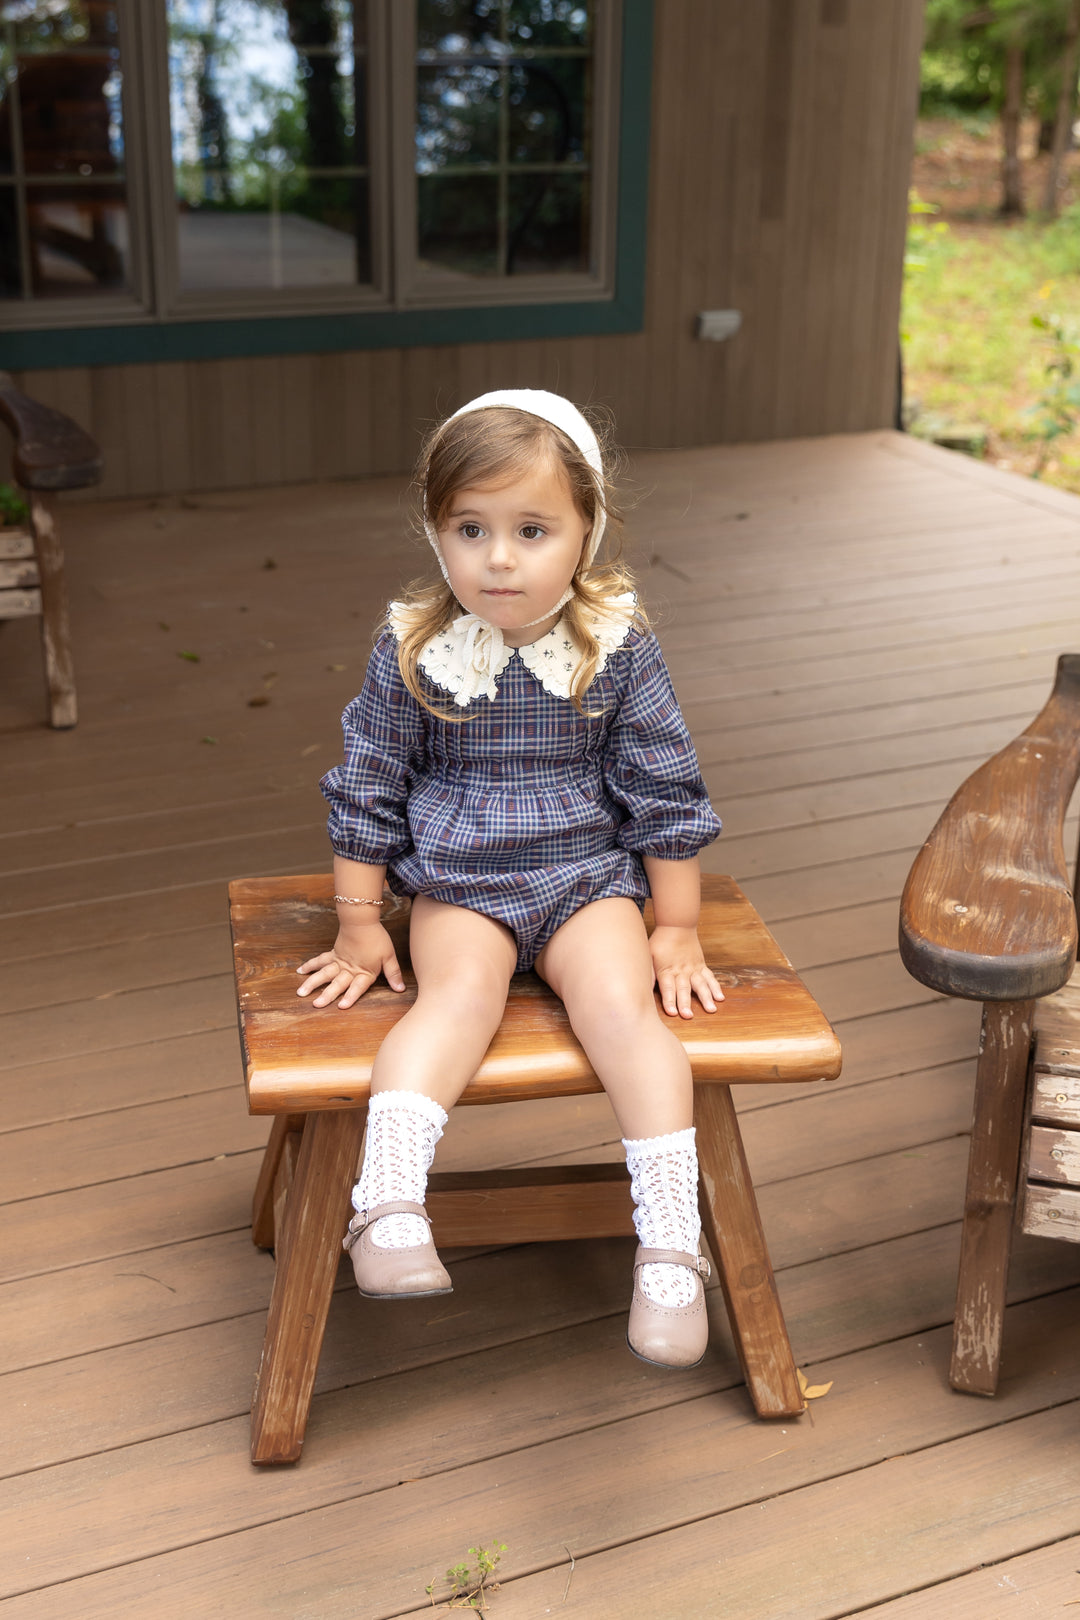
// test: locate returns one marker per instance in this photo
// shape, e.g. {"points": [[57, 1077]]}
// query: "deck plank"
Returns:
{"points": [[577, 1490], [964, 1500], [1046, 1581]]}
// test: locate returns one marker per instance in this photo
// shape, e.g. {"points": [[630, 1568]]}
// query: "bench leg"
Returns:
{"points": [[733, 1228], [55, 634], [990, 1201], [280, 1153], [308, 1252]]}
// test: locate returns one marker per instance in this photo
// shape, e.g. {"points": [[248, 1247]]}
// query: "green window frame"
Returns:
{"points": [[619, 308]]}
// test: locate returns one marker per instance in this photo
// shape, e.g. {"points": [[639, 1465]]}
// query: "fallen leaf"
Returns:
{"points": [[812, 1392], [208, 739], [270, 677], [269, 563], [259, 702], [337, 668], [163, 626], [312, 748], [192, 658]]}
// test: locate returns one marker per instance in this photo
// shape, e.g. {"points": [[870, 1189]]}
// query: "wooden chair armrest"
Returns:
{"points": [[987, 910], [51, 452]]}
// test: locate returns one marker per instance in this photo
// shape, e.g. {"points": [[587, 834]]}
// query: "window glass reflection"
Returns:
{"points": [[63, 206], [504, 93], [269, 135]]}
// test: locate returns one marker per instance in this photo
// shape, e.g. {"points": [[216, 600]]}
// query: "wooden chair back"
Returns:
{"points": [[989, 912]]}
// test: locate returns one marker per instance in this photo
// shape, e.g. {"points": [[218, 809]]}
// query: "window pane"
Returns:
{"points": [[506, 86], [549, 225], [458, 223], [270, 143], [536, 23], [78, 238], [457, 116], [548, 99], [62, 231], [452, 26]]}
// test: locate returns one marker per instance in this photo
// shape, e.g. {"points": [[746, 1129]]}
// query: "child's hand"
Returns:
{"points": [[359, 955], [682, 972]]}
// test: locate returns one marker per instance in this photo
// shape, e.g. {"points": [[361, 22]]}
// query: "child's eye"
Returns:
{"points": [[471, 531], [531, 531]]}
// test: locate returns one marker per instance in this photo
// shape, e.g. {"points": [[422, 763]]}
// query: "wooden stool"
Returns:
{"points": [[311, 1071], [51, 454]]}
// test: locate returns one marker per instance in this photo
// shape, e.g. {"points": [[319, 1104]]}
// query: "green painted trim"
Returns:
{"points": [[149, 341]]}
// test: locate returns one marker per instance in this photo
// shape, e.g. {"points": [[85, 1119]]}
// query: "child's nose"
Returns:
{"points": [[500, 552]]}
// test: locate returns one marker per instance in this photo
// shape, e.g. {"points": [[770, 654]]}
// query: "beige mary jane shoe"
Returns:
{"points": [[669, 1335], [394, 1273]]}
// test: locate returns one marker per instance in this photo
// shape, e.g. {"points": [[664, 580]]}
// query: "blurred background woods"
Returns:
{"points": [[991, 326]]}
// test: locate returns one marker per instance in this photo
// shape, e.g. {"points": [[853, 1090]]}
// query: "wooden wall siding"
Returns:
{"points": [[781, 146]]}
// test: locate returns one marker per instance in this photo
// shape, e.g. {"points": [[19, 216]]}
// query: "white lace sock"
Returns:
{"points": [[402, 1130], [664, 1185]]}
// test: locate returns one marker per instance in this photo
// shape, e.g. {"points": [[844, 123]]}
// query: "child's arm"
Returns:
{"points": [[678, 960], [363, 948]]}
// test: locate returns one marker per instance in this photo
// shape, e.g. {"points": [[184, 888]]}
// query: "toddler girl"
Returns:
{"points": [[517, 763]]}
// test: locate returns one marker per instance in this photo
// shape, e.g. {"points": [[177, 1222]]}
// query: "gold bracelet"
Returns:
{"points": [[346, 900]]}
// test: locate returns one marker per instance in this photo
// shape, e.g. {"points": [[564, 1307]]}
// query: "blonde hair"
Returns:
{"points": [[497, 445]]}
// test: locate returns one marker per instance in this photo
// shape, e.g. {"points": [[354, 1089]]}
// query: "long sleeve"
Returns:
{"points": [[384, 745], [651, 768]]}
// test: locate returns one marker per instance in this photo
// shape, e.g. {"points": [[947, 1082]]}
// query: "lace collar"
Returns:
{"points": [[468, 656]]}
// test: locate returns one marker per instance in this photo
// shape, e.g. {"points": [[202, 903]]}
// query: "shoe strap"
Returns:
{"points": [[673, 1257], [368, 1217]]}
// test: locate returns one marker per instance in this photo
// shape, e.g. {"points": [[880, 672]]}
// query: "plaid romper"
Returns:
{"points": [[526, 810]]}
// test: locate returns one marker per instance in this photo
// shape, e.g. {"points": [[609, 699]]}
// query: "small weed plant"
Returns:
{"points": [[469, 1585], [13, 509]]}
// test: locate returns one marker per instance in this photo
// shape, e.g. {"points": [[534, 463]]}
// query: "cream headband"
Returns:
{"points": [[561, 414]]}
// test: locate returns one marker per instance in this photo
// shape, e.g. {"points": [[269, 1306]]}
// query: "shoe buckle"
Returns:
{"points": [[703, 1268], [356, 1226]]}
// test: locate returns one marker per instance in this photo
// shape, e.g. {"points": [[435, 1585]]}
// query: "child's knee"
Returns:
{"points": [[615, 1010], [472, 994]]}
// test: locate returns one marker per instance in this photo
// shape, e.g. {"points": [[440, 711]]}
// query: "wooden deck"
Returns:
{"points": [[852, 623]]}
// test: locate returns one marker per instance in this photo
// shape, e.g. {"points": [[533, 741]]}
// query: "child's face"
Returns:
{"points": [[512, 551]]}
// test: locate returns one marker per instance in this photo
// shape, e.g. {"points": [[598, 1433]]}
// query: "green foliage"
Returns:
{"points": [[469, 1585], [1056, 413], [13, 509], [963, 64], [972, 352]]}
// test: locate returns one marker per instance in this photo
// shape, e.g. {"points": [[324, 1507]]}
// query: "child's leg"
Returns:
{"points": [[463, 962], [599, 965]]}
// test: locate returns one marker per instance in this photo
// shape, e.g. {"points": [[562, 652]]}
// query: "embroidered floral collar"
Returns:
{"points": [[468, 656]]}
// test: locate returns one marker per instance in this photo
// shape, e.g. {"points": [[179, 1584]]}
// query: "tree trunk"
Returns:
{"points": [[1012, 200], [1064, 115]]}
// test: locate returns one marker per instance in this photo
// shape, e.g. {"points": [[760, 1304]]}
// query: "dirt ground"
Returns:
{"points": [[958, 166]]}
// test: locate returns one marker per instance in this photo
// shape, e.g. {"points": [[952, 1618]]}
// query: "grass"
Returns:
{"points": [[972, 355]]}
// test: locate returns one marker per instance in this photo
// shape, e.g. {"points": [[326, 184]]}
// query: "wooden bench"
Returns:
{"points": [[988, 914], [311, 1069], [50, 454]]}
